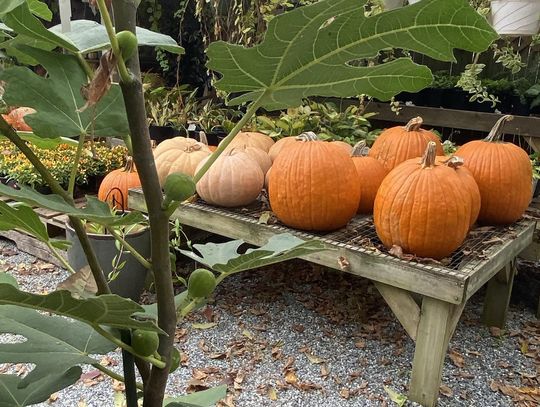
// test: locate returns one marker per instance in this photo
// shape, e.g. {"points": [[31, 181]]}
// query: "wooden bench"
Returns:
{"points": [[427, 299]]}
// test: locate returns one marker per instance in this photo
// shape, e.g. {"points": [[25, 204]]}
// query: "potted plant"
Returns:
{"points": [[515, 17], [122, 253]]}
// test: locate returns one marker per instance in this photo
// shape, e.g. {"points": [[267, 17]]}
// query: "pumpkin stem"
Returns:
{"points": [[307, 136], [414, 124], [202, 138], [455, 162], [360, 149], [428, 160], [130, 165], [194, 147], [496, 131]]}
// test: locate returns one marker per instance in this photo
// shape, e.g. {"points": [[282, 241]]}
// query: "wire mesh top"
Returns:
{"points": [[360, 235]]}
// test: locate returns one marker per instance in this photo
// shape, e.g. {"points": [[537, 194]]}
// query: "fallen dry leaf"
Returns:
{"points": [[272, 394], [446, 391], [290, 377], [345, 393], [456, 358], [101, 82]]}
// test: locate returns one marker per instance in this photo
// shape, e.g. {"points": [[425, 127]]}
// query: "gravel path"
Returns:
{"points": [[298, 335]]}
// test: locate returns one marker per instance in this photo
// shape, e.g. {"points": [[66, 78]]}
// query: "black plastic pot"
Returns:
{"points": [[518, 108], [162, 133], [131, 279]]}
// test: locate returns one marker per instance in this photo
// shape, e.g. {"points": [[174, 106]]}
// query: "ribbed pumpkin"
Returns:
{"points": [[423, 207], [280, 145], [503, 173], [457, 163], [400, 143], [179, 154], [313, 185], [252, 139], [346, 146], [234, 179], [15, 118], [262, 158], [370, 172], [114, 187]]}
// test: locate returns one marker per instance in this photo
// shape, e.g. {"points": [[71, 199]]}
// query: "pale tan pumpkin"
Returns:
{"points": [[252, 139], [179, 154], [234, 179], [262, 158]]}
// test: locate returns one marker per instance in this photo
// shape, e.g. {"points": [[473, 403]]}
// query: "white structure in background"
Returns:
{"points": [[65, 15]]}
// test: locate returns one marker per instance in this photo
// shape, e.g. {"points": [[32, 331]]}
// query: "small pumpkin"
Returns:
{"points": [[15, 118], [234, 179], [179, 154], [400, 143], [313, 185], [371, 174], [457, 163], [252, 139], [116, 184], [423, 207], [262, 158], [280, 145], [503, 173]]}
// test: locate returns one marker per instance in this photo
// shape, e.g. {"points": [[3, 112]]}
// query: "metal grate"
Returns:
{"points": [[360, 235]]}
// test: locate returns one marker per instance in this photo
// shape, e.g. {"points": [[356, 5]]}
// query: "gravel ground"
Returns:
{"points": [[298, 335]]}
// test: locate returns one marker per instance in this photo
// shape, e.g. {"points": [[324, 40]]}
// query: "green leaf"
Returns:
{"points": [[179, 301], [45, 143], [58, 97], [23, 218], [13, 395], [206, 398], [69, 341], [306, 52], [396, 397], [107, 310], [8, 279], [22, 21], [224, 257], [95, 210], [90, 36], [40, 9], [9, 5], [11, 48]]}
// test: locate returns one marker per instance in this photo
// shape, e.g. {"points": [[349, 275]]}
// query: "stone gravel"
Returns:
{"points": [[299, 335]]}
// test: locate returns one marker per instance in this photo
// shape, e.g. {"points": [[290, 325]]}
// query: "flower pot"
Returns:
{"points": [[515, 17], [131, 279], [393, 4]]}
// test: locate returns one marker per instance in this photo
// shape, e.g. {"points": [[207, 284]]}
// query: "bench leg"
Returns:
{"points": [[437, 323], [498, 297]]}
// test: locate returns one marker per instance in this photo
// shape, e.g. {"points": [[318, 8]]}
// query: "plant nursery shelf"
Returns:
{"points": [[427, 298]]}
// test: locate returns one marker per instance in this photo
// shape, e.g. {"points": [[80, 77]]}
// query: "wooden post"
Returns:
{"points": [[498, 297], [431, 344]]}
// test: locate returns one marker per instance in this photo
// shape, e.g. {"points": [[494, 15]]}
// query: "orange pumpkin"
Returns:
{"points": [[114, 187], [466, 176], [252, 139], [503, 173], [370, 172], [348, 148], [423, 207], [16, 118], [280, 145], [400, 143], [233, 180], [179, 154], [313, 185]]}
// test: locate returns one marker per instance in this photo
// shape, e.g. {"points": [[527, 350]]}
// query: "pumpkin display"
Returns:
{"points": [[348, 148], [313, 185], [262, 158], [370, 172], [15, 118], [456, 163], [179, 154], [423, 207], [114, 187], [503, 173], [280, 145], [400, 143], [252, 139], [234, 179]]}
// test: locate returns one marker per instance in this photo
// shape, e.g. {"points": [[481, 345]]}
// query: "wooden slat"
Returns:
{"points": [[457, 119], [498, 297], [497, 259], [31, 245], [380, 268], [404, 307], [45, 213]]}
